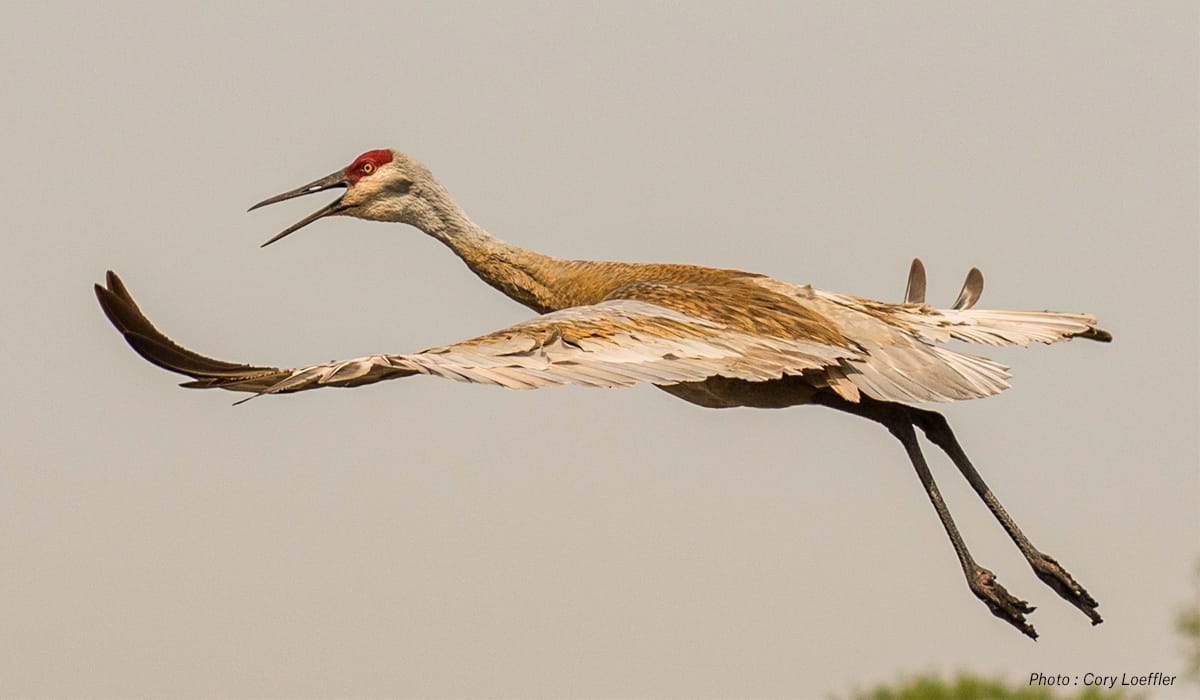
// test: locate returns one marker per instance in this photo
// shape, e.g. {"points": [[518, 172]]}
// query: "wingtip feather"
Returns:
{"points": [[1097, 334], [914, 292]]}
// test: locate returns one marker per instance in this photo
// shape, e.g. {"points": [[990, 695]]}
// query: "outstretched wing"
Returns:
{"points": [[754, 329], [618, 342], [900, 360]]}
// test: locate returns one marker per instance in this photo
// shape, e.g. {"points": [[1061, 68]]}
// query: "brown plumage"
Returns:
{"points": [[717, 338]]}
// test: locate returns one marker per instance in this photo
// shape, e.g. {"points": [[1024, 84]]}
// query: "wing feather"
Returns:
{"points": [[983, 326], [756, 329], [615, 343], [900, 361]]}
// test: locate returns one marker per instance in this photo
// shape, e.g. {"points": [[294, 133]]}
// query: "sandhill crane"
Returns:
{"points": [[715, 337]]}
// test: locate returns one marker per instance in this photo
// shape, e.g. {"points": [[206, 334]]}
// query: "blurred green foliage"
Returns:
{"points": [[967, 686], [1188, 625]]}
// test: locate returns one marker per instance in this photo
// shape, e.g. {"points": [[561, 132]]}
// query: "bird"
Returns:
{"points": [[718, 338]]}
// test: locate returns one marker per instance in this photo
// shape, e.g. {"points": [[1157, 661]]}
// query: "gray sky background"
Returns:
{"points": [[430, 538]]}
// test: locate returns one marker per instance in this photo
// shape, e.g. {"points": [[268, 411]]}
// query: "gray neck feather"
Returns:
{"points": [[525, 276]]}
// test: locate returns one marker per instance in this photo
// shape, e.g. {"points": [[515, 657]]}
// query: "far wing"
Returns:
{"points": [[618, 342], [914, 292], [985, 326]]}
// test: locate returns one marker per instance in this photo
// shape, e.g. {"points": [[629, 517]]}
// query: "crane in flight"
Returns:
{"points": [[714, 337]]}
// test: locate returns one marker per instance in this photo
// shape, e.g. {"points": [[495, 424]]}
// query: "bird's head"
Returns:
{"points": [[381, 185]]}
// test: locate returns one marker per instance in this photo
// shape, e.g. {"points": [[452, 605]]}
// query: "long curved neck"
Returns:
{"points": [[541, 282]]}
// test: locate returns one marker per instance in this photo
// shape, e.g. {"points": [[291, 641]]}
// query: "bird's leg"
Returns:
{"points": [[938, 431], [982, 582]]}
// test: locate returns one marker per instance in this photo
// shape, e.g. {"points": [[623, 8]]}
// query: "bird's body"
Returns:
{"points": [[714, 337]]}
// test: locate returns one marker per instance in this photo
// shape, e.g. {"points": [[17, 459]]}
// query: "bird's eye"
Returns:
{"points": [[367, 168]]}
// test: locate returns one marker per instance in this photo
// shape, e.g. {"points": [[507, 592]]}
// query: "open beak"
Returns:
{"points": [[328, 182]]}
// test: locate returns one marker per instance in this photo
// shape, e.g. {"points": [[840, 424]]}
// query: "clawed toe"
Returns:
{"points": [[1053, 575], [1003, 604]]}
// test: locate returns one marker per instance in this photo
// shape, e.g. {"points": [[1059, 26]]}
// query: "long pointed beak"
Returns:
{"points": [[328, 182]]}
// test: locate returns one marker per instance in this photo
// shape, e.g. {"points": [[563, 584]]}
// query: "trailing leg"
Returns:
{"points": [[938, 431], [981, 581]]}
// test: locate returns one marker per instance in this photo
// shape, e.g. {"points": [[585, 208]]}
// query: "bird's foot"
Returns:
{"points": [[1056, 577], [1003, 604]]}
